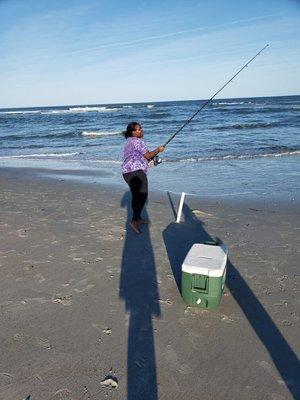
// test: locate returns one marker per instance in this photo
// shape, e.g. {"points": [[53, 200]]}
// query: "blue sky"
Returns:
{"points": [[86, 52]]}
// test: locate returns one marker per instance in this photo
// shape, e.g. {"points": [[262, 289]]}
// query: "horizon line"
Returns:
{"points": [[143, 102]]}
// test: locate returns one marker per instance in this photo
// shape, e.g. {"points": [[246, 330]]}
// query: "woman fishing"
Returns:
{"points": [[134, 168]]}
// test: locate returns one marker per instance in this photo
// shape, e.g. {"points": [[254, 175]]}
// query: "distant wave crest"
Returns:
{"points": [[100, 133], [231, 103], [75, 110], [92, 109], [70, 110], [21, 112]]}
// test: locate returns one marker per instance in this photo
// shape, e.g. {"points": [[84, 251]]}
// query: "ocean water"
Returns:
{"points": [[247, 148]]}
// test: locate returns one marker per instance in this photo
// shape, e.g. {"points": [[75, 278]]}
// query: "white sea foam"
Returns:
{"points": [[231, 103], [239, 157], [85, 109], [150, 106], [100, 133], [92, 109], [50, 112], [41, 155], [20, 112], [75, 110], [111, 109]]}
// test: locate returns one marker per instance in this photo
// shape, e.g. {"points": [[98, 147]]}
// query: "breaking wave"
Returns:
{"points": [[60, 135], [75, 110], [100, 133], [237, 157]]}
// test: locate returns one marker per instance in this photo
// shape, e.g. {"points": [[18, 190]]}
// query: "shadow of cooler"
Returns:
{"points": [[203, 275]]}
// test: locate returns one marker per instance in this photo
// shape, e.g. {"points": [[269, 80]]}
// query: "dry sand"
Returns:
{"points": [[90, 310]]}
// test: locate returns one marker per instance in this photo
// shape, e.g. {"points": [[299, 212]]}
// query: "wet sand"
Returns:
{"points": [[90, 310]]}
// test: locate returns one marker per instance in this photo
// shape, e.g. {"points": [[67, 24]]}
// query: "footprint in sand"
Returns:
{"points": [[202, 214], [79, 259], [85, 289], [286, 322], [227, 319], [29, 300], [172, 358], [81, 286], [5, 378], [62, 394], [64, 300], [167, 302], [193, 311], [171, 355], [40, 278], [276, 396], [34, 341], [268, 367], [22, 233]]}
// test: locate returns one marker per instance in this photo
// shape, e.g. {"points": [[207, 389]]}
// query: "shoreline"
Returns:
{"points": [[98, 177], [83, 298], [239, 149]]}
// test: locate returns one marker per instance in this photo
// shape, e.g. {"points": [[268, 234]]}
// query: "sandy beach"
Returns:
{"points": [[89, 310]]}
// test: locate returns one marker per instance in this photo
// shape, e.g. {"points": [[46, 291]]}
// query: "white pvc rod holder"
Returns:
{"points": [[180, 207]]}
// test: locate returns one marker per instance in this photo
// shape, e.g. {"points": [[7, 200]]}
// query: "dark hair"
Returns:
{"points": [[130, 128]]}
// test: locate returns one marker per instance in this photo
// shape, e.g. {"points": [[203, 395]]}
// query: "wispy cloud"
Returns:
{"points": [[154, 38]]}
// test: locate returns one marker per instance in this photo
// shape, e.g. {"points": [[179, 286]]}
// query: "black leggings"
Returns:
{"points": [[138, 184]]}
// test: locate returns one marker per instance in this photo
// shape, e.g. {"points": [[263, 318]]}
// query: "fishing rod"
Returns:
{"points": [[157, 160]]}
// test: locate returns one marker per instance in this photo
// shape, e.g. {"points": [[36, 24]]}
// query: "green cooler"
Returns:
{"points": [[203, 275]]}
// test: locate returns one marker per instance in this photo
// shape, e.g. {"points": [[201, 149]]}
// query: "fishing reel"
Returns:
{"points": [[156, 160]]}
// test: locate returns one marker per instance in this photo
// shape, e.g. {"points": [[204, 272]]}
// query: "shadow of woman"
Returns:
{"points": [[138, 288], [178, 239]]}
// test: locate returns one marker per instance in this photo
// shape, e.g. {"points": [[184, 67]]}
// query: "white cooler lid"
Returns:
{"points": [[203, 259]]}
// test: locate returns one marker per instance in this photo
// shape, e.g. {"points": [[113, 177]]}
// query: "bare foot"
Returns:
{"points": [[135, 226]]}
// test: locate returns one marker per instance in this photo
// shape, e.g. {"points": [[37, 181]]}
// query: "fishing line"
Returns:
{"points": [[157, 160]]}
